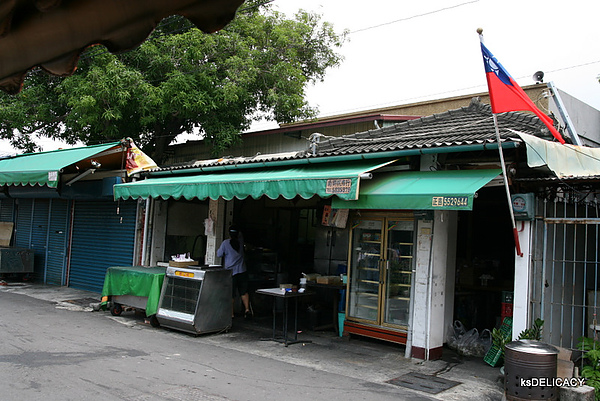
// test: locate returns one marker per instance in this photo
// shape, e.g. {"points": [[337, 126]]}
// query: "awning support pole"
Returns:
{"points": [[510, 209]]}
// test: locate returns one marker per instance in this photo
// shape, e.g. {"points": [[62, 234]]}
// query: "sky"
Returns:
{"points": [[405, 52]]}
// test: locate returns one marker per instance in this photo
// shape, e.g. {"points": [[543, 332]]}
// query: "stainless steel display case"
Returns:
{"points": [[196, 300]]}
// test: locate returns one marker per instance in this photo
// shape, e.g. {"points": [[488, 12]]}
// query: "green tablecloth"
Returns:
{"points": [[134, 280]]}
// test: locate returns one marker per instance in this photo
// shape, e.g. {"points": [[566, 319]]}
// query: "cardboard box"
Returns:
{"points": [[173, 263], [312, 276], [334, 280], [6, 231]]}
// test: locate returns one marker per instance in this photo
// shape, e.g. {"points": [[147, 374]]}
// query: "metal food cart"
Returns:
{"points": [[196, 300]]}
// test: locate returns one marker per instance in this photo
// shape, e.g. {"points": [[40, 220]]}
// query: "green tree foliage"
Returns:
{"points": [[180, 80]]}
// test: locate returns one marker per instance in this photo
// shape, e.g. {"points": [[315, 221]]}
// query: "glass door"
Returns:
{"points": [[381, 265], [399, 265], [365, 277]]}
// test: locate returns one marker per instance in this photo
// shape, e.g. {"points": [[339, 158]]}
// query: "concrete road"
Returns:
{"points": [[53, 353]]}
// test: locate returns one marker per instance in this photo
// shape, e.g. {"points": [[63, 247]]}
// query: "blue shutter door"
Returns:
{"points": [[23, 223], [31, 231], [101, 238], [58, 234], [7, 210], [39, 236]]}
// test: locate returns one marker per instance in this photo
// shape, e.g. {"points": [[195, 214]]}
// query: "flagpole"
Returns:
{"points": [[508, 197], [503, 164]]}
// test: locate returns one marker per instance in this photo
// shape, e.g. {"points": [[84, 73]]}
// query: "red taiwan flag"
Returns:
{"points": [[507, 95]]}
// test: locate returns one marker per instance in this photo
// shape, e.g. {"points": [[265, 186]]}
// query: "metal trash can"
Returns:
{"points": [[530, 371]]}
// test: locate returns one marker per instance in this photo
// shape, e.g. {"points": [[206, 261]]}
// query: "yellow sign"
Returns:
{"points": [[183, 274], [137, 160]]}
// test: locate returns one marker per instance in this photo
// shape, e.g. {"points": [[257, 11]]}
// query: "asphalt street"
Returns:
{"points": [[58, 351]]}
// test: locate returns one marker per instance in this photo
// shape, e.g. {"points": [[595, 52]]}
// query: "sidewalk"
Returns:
{"points": [[451, 378]]}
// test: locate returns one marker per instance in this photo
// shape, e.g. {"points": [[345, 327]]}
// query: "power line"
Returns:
{"points": [[481, 87], [413, 16]]}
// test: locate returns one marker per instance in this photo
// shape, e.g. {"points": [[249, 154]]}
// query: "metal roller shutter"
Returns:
{"points": [[39, 236], [23, 223], [7, 210], [31, 231], [56, 257], [101, 238]]}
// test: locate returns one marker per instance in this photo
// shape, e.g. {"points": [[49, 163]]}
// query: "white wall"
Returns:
{"points": [[522, 280], [435, 255]]}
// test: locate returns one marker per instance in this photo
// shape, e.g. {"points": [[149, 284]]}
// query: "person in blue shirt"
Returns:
{"points": [[232, 252]]}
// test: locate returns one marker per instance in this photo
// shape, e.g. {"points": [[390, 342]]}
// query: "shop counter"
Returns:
{"points": [[135, 286]]}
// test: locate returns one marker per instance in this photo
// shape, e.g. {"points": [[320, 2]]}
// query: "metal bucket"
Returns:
{"points": [[530, 371]]}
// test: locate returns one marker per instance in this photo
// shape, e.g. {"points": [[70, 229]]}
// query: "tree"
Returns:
{"points": [[180, 80]]}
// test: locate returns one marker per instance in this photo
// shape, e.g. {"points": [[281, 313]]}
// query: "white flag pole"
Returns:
{"points": [[507, 189]]}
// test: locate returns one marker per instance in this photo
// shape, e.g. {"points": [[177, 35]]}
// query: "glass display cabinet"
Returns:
{"points": [[381, 270]]}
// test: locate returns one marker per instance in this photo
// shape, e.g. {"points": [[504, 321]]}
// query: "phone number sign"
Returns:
{"points": [[450, 201], [338, 186]]}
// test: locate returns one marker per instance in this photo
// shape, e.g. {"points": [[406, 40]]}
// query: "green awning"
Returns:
{"points": [[420, 190], [324, 180], [44, 168]]}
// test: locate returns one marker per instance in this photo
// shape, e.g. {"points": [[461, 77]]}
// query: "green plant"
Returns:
{"points": [[500, 339], [591, 370], [534, 332]]}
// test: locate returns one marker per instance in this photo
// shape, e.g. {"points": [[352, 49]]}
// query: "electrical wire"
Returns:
{"points": [[414, 16]]}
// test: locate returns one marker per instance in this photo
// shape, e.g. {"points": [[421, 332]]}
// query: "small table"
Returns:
{"points": [[278, 293], [136, 286]]}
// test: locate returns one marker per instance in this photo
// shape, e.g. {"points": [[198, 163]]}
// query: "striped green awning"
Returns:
{"points": [[324, 180], [420, 190], [44, 168]]}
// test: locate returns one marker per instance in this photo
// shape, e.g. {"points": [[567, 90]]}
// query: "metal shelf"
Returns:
{"points": [[368, 294]]}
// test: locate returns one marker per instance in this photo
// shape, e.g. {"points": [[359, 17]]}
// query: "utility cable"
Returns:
{"points": [[413, 17]]}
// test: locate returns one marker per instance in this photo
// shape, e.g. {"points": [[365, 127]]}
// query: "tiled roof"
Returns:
{"points": [[469, 125], [232, 161]]}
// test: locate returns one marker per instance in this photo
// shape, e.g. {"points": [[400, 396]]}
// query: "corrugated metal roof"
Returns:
{"points": [[590, 179], [232, 161]]}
